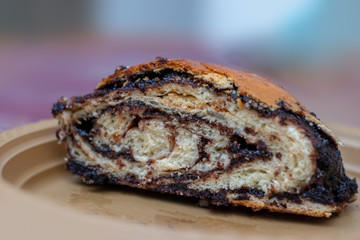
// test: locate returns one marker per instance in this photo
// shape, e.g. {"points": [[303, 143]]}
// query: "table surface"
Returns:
{"points": [[33, 75]]}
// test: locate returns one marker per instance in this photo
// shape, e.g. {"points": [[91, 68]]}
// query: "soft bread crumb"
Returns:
{"points": [[172, 147]]}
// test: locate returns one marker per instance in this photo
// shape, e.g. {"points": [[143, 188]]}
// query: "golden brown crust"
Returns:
{"points": [[248, 84], [251, 84], [305, 208]]}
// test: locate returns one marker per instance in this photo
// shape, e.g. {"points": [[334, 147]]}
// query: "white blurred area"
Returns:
{"points": [[273, 34], [269, 34], [216, 22]]}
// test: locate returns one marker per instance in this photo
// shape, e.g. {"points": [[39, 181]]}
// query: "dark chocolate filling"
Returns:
{"points": [[58, 107], [329, 184], [243, 152], [203, 155], [94, 175], [84, 126]]}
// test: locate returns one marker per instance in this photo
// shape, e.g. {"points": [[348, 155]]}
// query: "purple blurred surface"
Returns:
{"points": [[33, 75]]}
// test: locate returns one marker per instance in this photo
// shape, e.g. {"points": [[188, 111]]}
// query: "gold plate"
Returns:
{"points": [[39, 199]]}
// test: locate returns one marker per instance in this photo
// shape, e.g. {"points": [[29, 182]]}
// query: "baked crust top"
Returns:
{"points": [[247, 84]]}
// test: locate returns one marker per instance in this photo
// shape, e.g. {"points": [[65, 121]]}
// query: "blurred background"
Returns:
{"points": [[53, 48]]}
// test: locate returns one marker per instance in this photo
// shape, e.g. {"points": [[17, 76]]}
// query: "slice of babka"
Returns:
{"points": [[202, 130]]}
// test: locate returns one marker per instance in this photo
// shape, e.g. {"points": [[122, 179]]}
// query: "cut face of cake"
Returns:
{"points": [[206, 131]]}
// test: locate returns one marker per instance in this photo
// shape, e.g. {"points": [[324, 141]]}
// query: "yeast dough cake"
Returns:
{"points": [[206, 131]]}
